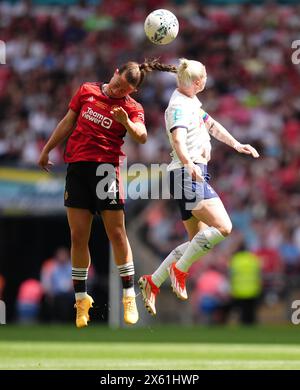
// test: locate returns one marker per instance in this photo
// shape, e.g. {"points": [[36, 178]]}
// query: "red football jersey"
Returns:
{"points": [[97, 136]]}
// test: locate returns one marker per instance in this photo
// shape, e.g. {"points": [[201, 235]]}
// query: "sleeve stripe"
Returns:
{"points": [[177, 127], [205, 117]]}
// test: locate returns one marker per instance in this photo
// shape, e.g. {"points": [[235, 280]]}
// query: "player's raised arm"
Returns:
{"points": [[220, 133], [61, 132]]}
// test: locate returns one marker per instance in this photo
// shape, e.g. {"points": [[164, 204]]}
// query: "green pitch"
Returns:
{"points": [[168, 347]]}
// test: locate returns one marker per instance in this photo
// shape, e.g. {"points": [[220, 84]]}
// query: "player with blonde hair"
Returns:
{"points": [[204, 216]]}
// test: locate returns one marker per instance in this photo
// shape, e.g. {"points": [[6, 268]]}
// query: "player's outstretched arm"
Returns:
{"points": [[61, 132], [220, 133]]}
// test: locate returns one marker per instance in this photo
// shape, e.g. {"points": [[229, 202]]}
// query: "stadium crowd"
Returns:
{"points": [[253, 90]]}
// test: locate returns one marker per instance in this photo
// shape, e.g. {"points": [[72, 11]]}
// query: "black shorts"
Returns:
{"points": [[187, 192], [93, 186]]}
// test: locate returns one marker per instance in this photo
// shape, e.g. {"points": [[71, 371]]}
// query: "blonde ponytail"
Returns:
{"points": [[188, 71]]}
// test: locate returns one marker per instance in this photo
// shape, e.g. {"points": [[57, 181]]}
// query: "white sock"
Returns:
{"points": [[201, 243], [79, 277], [80, 295], [161, 274], [128, 292]]}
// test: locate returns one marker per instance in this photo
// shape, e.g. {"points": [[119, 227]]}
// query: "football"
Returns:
{"points": [[161, 26]]}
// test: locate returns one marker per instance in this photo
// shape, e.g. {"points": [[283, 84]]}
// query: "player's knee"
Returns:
{"points": [[78, 237], [116, 234], [225, 229]]}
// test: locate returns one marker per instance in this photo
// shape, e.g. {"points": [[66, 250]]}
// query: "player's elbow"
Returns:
{"points": [[143, 138]]}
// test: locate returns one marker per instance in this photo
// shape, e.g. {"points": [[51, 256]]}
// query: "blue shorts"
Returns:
{"points": [[188, 192]]}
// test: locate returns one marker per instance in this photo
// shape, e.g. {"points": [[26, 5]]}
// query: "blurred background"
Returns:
{"points": [[252, 89]]}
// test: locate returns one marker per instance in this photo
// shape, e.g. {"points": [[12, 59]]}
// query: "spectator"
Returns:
{"points": [[47, 304], [211, 296], [28, 301], [58, 287], [245, 283]]}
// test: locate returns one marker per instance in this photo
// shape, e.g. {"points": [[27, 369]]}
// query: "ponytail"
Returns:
{"points": [[149, 66], [135, 73]]}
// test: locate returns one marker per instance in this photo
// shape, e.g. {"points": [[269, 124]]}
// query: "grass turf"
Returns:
{"points": [[164, 347]]}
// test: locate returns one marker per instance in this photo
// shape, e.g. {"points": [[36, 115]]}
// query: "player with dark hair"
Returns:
{"points": [[99, 116]]}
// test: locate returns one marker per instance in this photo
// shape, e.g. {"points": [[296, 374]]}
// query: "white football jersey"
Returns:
{"points": [[185, 112]]}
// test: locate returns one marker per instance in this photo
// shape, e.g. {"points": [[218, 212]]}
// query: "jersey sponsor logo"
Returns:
{"points": [[106, 122], [91, 99], [207, 247], [97, 118], [178, 114]]}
